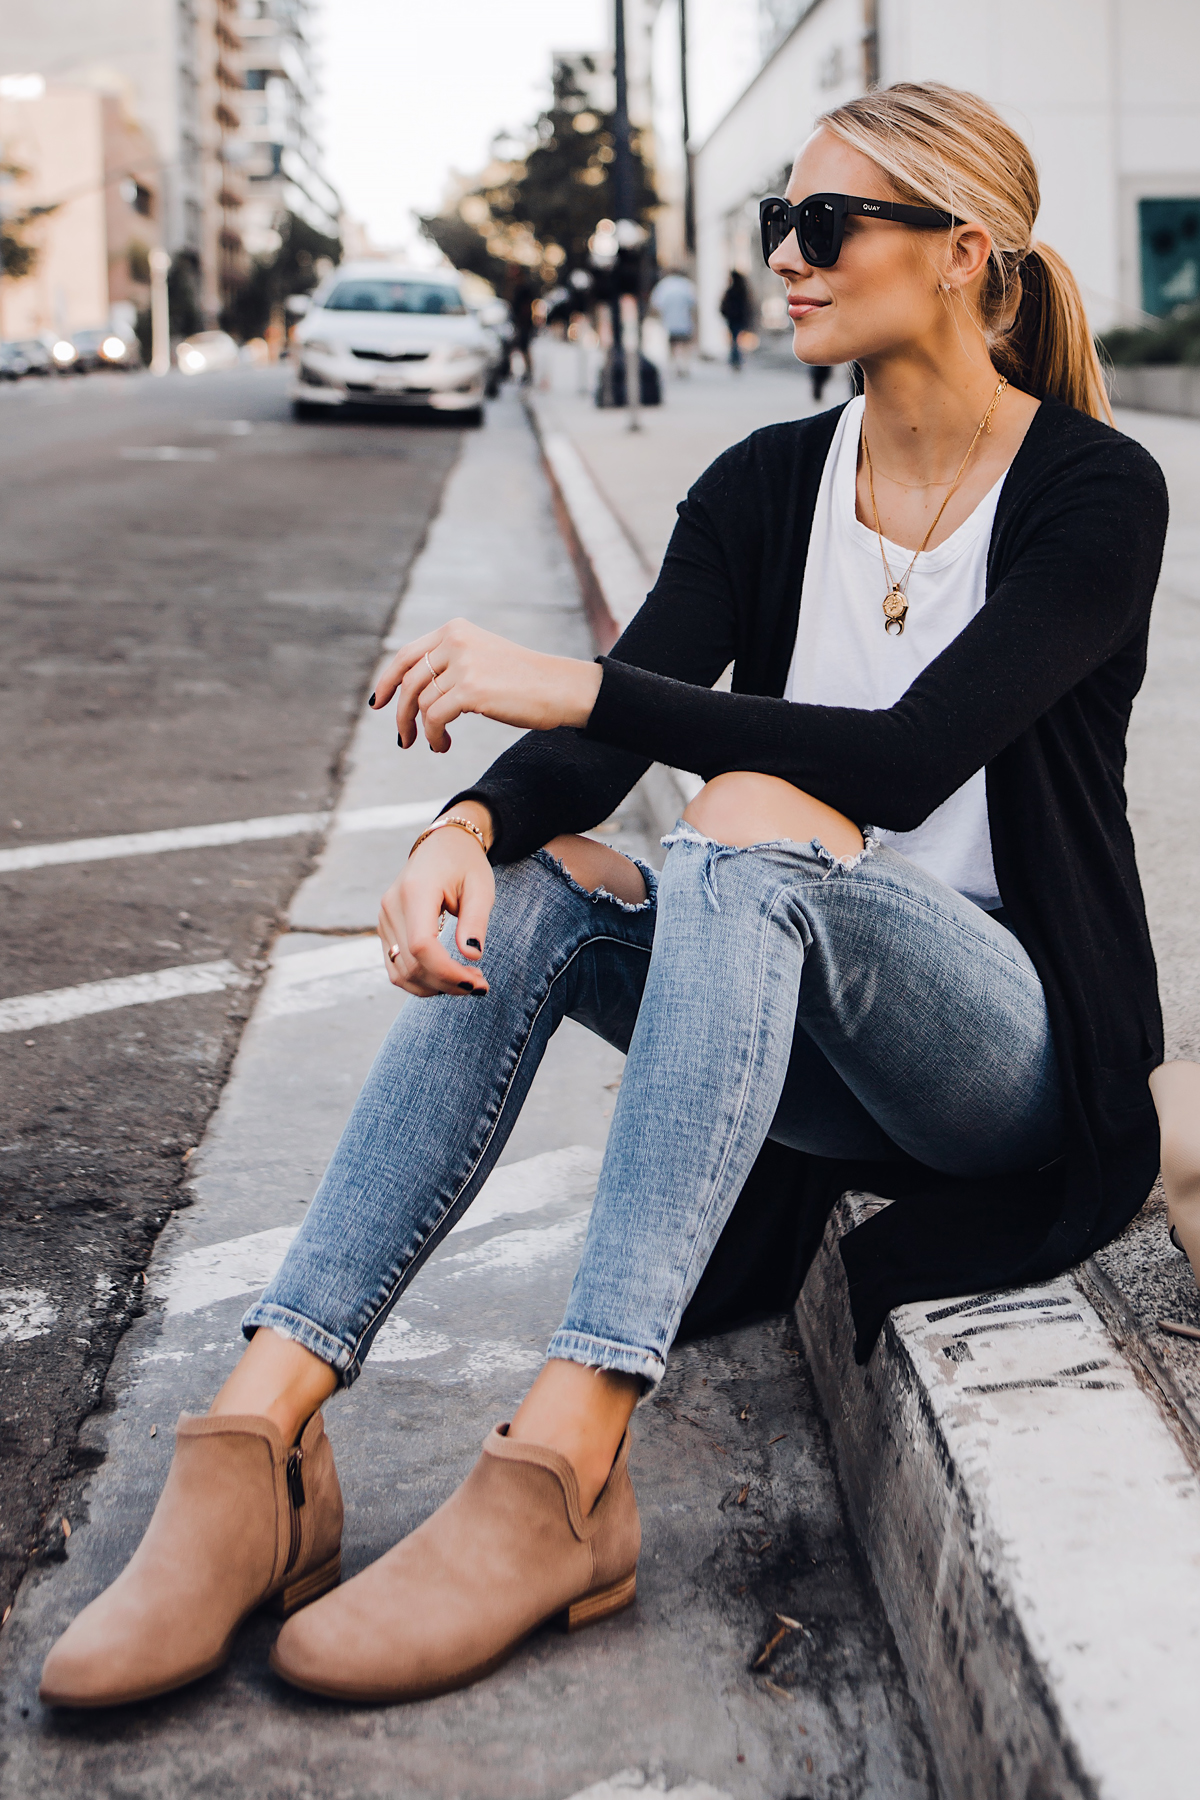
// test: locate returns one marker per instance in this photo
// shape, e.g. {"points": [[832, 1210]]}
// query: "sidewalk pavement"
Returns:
{"points": [[644, 475], [1022, 1468], [740, 1507]]}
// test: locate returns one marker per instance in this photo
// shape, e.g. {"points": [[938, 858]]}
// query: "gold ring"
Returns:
{"points": [[393, 953], [433, 675]]}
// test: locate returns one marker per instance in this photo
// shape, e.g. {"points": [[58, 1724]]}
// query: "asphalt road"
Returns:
{"points": [[184, 639]]}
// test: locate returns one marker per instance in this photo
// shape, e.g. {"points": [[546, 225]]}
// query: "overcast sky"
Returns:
{"points": [[414, 88]]}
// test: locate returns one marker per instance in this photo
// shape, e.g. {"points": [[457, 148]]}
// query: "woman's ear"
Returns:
{"points": [[966, 260]]}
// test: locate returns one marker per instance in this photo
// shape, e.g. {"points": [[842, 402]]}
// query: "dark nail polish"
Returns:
{"points": [[468, 987], [371, 701], [400, 740], [474, 944]]}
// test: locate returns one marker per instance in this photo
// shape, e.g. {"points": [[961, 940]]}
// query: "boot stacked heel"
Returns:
{"points": [[594, 1607], [304, 1591]]}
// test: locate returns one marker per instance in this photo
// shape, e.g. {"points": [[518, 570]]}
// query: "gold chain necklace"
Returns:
{"points": [[895, 601]]}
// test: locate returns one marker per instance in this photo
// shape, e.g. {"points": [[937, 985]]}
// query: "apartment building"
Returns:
{"points": [[281, 154], [223, 91], [83, 158]]}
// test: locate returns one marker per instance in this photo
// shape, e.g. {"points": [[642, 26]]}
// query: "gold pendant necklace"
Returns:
{"points": [[895, 601]]}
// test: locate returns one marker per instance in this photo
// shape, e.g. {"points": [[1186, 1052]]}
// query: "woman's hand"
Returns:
{"points": [[449, 873], [462, 669]]}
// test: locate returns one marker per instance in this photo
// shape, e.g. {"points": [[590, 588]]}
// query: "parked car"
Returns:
{"points": [[497, 330], [101, 348], [37, 355], [206, 351], [24, 356], [382, 334]]}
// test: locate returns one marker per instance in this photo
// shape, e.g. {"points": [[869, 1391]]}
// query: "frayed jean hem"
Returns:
{"points": [[603, 1353], [299, 1330], [812, 848]]}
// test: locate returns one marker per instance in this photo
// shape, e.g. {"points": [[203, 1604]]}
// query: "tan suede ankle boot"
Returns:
{"points": [[509, 1551], [242, 1520]]}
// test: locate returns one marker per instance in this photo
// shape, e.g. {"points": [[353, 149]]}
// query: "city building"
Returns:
{"points": [[79, 155], [226, 164], [1104, 91], [215, 131], [281, 157]]}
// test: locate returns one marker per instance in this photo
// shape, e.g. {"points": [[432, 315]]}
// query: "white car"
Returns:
{"points": [[380, 334], [207, 350]]}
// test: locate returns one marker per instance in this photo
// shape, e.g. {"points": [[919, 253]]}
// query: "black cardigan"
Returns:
{"points": [[1038, 689]]}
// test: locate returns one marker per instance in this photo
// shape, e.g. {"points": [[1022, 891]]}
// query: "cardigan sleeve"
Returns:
{"points": [[1075, 587]]}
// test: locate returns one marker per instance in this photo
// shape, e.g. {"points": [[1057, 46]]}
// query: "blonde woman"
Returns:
{"points": [[898, 937]]}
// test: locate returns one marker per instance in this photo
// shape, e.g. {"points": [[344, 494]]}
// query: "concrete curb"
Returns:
{"points": [[613, 577], [1033, 1527], [1030, 1516]]}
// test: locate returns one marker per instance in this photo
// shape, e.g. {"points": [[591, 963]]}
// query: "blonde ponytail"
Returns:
{"points": [[1048, 348], [949, 149]]}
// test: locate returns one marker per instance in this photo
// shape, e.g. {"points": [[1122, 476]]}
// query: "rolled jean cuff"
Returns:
{"points": [[602, 1353], [300, 1330]]}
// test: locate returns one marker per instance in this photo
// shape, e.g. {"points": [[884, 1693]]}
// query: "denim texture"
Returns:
{"points": [[850, 1008]]}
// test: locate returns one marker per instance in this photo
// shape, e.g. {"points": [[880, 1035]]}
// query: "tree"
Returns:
{"points": [[291, 270], [541, 209], [183, 297], [17, 258]]}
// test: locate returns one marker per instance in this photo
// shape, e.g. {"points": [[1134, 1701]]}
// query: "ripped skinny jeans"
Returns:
{"points": [[849, 1009]]}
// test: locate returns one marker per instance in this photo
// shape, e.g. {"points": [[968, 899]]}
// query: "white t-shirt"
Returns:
{"points": [[844, 657]]}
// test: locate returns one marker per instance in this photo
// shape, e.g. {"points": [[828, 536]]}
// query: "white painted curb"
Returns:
{"points": [[1033, 1527], [1031, 1522]]}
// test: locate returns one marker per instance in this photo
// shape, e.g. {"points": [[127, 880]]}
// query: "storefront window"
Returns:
{"points": [[1170, 240]]}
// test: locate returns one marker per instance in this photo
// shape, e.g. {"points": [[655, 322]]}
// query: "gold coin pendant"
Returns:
{"points": [[895, 606]]}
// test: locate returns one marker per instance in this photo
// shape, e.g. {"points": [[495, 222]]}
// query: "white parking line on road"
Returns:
{"points": [[201, 1278], [25, 1012], [25, 1313], [312, 980], [388, 818], [165, 453], [205, 837], [519, 1249], [214, 1272]]}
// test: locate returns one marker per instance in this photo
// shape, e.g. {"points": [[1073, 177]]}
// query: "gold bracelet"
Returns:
{"points": [[451, 819]]}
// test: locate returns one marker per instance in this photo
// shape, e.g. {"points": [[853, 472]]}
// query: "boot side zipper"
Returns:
{"points": [[295, 1487]]}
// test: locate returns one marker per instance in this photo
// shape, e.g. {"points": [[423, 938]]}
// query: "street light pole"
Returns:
{"points": [[5, 179], [160, 313], [627, 336], [622, 147], [689, 193]]}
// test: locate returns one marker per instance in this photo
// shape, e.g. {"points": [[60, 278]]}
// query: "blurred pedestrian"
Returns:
{"points": [[674, 300], [521, 305], [735, 310], [818, 374]]}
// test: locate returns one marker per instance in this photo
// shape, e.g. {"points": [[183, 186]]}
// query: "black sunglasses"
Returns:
{"points": [[820, 221]]}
